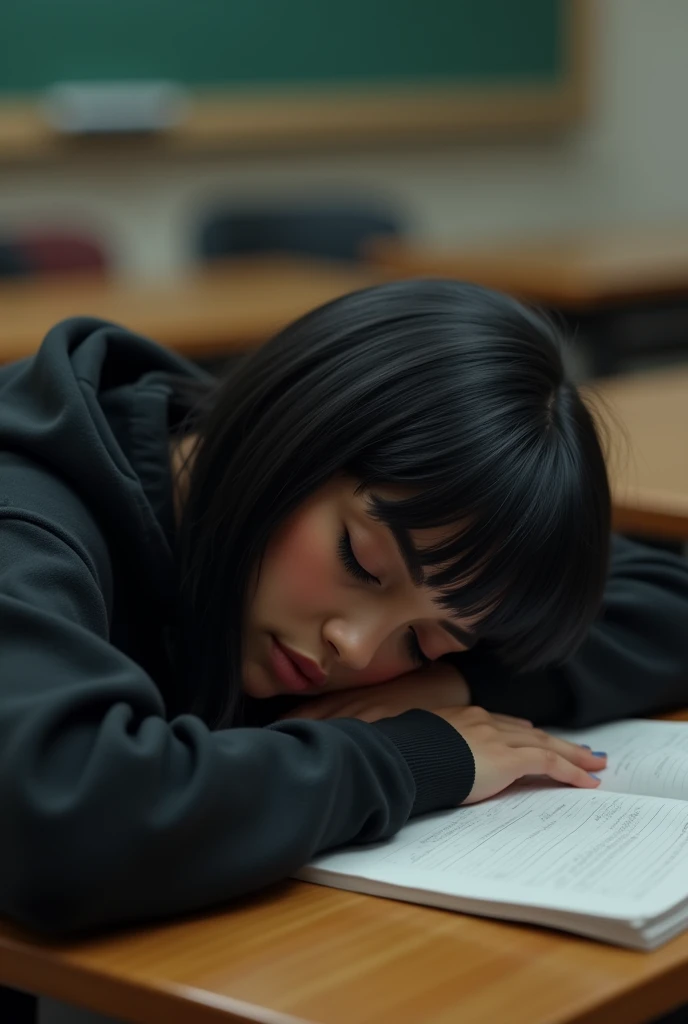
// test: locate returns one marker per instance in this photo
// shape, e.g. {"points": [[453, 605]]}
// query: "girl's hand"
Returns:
{"points": [[505, 750], [439, 685]]}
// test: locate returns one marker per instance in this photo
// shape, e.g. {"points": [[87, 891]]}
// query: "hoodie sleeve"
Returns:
{"points": [[634, 661], [112, 813]]}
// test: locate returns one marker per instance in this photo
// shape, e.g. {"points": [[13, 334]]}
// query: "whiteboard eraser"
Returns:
{"points": [[78, 108]]}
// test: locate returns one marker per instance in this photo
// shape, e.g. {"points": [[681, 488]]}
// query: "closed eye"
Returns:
{"points": [[351, 563], [416, 652]]}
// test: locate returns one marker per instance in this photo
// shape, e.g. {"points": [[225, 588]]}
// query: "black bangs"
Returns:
{"points": [[449, 393], [525, 545]]}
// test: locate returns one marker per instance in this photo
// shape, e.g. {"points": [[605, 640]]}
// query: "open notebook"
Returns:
{"points": [[610, 863]]}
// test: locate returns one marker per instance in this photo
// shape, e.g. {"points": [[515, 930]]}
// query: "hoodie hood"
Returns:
{"points": [[92, 408]]}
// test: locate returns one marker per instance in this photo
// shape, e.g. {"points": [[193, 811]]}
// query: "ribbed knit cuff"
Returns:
{"points": [[438, 757]]}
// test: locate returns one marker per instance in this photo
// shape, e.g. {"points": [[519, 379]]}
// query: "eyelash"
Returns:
{"points": [[355, 569], [351, 563], [418, 655]]}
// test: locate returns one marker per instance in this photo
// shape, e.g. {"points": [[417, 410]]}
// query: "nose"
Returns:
{"points": [[355, 642]]}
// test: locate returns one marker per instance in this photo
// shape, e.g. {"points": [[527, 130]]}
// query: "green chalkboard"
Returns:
{"points": [[241, 44]]}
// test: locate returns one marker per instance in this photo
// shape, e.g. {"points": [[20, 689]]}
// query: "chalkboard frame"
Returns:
{"points": [[291, 119]]}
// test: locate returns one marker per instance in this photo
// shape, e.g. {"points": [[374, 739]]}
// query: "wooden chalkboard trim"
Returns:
{"points": [[290, 119]]}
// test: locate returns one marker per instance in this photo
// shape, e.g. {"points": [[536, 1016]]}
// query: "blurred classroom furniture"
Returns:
{"points": [[31, 252], [275, 74], [337, 230], [207, 314], [303, 954], [603, 282], [648, 460], [239, 303]]}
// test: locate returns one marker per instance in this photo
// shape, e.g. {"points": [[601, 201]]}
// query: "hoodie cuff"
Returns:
{"points": [[438, 757]]}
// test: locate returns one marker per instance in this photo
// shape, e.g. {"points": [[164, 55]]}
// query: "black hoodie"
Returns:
{"points": [[112, 809]]}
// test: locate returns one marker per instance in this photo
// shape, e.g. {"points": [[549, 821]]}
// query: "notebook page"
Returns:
{"points": [[645, 757], [589, 852]]}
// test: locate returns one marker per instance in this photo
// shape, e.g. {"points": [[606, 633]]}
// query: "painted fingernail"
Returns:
{"points": [[598, 753], [595, 777], [584, 746]]}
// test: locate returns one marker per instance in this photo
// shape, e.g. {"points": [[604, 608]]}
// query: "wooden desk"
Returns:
{"points": [[209, 313], [591, 278], [647, 420], [574, 273], [301, 953]]}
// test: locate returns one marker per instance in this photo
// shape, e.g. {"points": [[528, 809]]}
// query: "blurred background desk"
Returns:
{"points": [[603, 282], [206, 314], [240, 303], [648, 451]]}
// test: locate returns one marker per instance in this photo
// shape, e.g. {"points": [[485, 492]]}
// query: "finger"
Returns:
{"points": [[543, 761], [571, 751], [474, 715], [510, 720]]}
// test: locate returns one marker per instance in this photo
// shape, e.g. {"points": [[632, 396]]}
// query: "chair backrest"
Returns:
{"points": [[45, 252], [335, 232]]}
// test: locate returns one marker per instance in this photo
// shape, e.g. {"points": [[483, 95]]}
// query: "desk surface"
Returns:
{"points": [[574, 273], [646, 417], [301, 953], [208, 313]]}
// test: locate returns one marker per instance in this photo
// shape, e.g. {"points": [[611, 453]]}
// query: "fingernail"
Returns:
{"points": [[595, 777], [598, 753], [584, 746]]}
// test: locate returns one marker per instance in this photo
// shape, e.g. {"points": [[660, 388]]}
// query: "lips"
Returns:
{"points": [[294, 671], [307, 666]]}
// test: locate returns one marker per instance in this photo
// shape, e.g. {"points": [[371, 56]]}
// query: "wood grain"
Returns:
{"points": [[306, 953], [302, 953]]}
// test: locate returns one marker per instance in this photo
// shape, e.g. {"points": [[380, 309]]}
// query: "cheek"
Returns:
{"points": [[298, 565]]}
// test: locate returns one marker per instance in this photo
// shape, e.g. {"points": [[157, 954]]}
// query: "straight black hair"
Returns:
{"points": [[453, 394]]}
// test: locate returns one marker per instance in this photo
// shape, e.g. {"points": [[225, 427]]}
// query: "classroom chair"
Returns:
{"points": [[333, 231], [28, 253]]}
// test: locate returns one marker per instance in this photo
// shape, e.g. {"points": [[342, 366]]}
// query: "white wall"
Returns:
{"points": [[627, 162]]}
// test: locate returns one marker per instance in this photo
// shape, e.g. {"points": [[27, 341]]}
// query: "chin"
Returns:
{"points": [[259, 685]]}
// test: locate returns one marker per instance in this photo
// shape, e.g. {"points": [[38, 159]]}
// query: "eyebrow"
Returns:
{"points": [[414, 566]]}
